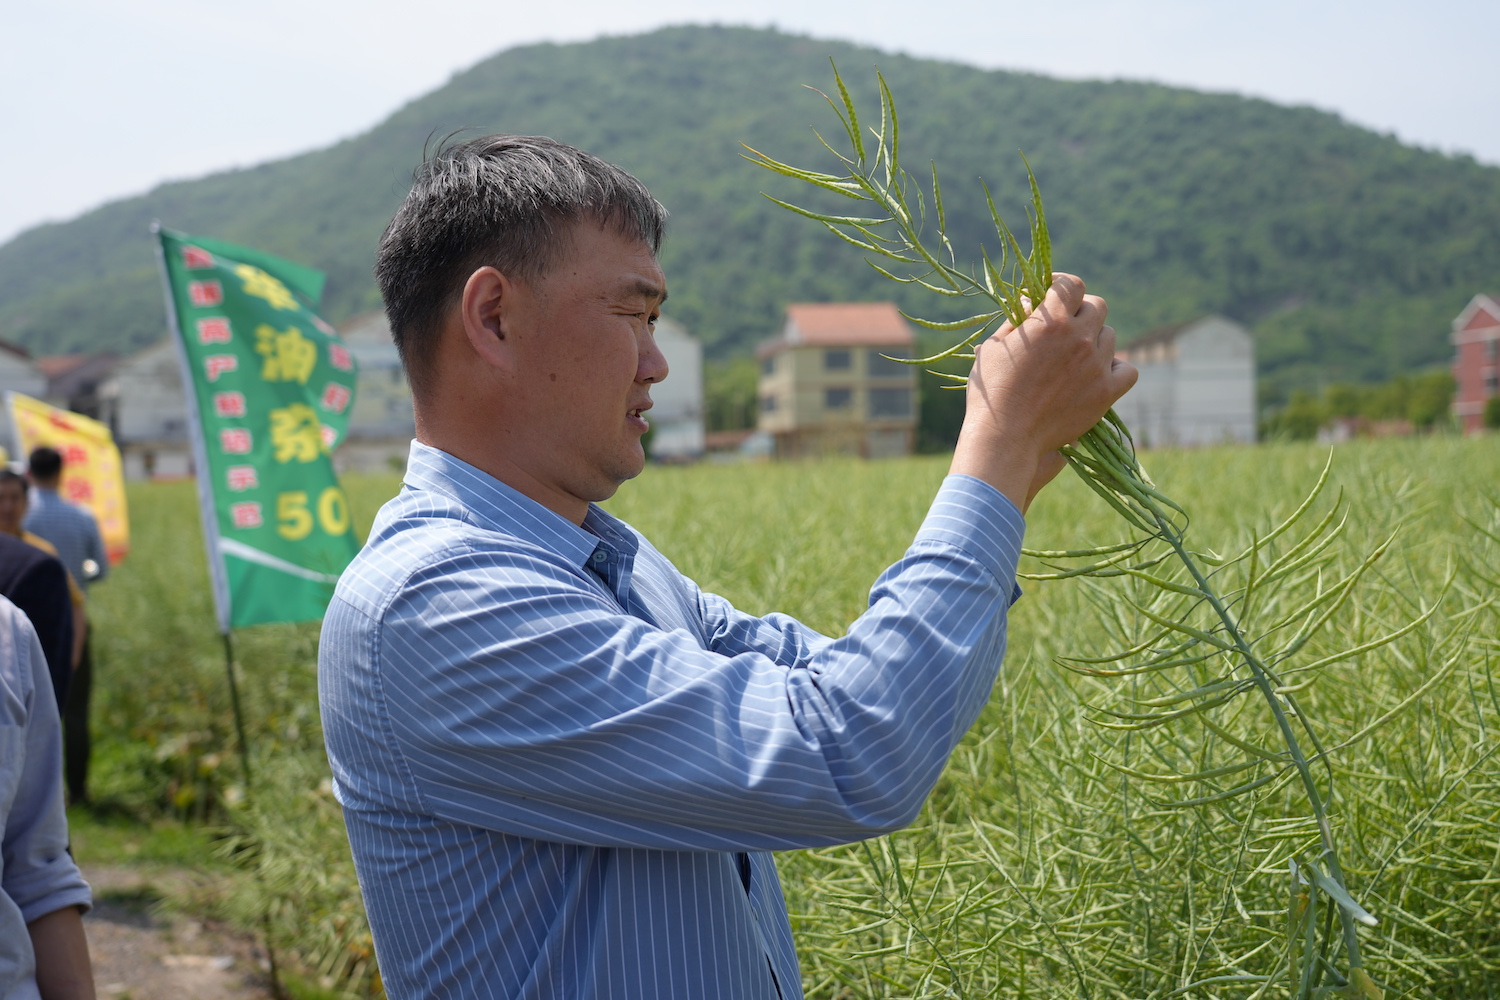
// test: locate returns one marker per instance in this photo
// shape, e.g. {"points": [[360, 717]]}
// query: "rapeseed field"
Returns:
{"points": [[1063, 854]]}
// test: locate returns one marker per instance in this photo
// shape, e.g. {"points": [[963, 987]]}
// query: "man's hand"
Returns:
{"points": [[1038, 387]]}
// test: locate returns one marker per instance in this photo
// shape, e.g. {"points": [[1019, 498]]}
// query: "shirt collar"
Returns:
{"points": [[494, 505]]}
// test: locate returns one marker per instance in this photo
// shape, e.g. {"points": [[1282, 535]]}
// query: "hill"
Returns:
{"points": [[1344, 250]]}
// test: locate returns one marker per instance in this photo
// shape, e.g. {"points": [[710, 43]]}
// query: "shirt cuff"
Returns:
{"points": [[972, 515], [49, 887]]}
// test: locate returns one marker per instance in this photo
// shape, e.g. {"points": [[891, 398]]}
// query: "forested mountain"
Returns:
{"points": [[1347, 252]]}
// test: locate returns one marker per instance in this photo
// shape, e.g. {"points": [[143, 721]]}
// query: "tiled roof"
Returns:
{"points": [[55, 365], [1163, 335], [1482, 313], [1169, 334], [846, 324], [74, 374]]}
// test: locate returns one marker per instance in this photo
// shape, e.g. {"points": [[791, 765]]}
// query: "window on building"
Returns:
{"points": [[1491, 385], [890, 402], [768, 366], [883, 367], [1492, 349], [838, 399], [768, 404], [838, 360]]}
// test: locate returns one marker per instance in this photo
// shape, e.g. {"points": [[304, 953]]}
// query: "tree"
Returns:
{"points": [[729, 389], [1300, 418], [1430, 398], [1492, 413]]}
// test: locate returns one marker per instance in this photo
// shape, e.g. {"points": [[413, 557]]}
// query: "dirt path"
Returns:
{"points": [[139, 955]]}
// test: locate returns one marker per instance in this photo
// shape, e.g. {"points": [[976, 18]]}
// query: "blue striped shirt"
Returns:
{"points": [[37, 874], [563, 766]]}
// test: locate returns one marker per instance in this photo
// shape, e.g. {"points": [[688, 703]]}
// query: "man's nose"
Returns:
{"points": [[653, 363]]}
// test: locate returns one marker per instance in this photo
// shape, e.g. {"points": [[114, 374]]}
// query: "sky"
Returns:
{"points": [[100, 99]]}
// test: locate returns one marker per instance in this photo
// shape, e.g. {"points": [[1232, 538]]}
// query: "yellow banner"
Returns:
{"points": [[92, 473]]}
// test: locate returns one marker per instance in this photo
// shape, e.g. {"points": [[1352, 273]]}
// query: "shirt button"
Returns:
{"points": [[600, 557]]}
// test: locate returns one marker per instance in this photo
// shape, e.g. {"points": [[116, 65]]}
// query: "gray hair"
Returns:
{"points": [[506, 201]]}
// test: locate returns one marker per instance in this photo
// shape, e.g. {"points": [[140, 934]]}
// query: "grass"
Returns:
{"points": [[102, 838], [1038, 868]]}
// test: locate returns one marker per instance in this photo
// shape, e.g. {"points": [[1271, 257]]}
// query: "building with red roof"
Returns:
{"points": [[828, 384], [74, 381]]}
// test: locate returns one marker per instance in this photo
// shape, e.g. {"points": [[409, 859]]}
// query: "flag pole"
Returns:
{"points": [[234, 699], [277, 990], [15, 425]]}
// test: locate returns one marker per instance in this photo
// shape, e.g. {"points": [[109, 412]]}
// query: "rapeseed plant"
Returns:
{"points": [[1215, 628]]}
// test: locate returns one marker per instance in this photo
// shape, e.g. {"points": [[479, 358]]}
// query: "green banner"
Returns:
{"points": [[270, 389]]}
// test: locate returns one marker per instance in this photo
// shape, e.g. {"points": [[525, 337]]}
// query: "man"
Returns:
{"points": [[75, 534], [43, 951], [562, 766], [13, 507]]}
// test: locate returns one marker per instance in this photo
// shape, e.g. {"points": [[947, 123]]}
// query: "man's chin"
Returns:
{"points": [[613, 478], [632, 469]]}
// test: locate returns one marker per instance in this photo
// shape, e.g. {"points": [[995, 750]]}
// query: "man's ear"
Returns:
{"points": [[486, 311]]}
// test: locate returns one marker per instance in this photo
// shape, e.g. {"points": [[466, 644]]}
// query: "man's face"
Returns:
{"points": [[12, 506], [586, 353]]}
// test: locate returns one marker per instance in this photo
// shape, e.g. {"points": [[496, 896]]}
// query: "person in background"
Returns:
{"points": [[43, 950], [38, 585], [13, 506], [75, 534]]}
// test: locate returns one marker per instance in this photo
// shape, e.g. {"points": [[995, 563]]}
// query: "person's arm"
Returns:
{"points": [[80, 633], [517, 697], [39, 875], [80, 619], [94, 549], [42, 594], [1014, 424], [63, 970]]}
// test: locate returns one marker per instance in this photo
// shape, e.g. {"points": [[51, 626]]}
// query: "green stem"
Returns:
{"points": [[1126, 483], [1262, 678]]}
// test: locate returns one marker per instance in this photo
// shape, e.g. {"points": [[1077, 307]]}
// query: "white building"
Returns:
{"points": [[1197, 385], [382, 423], [146, 410], [17, 374], [676, 414]]}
